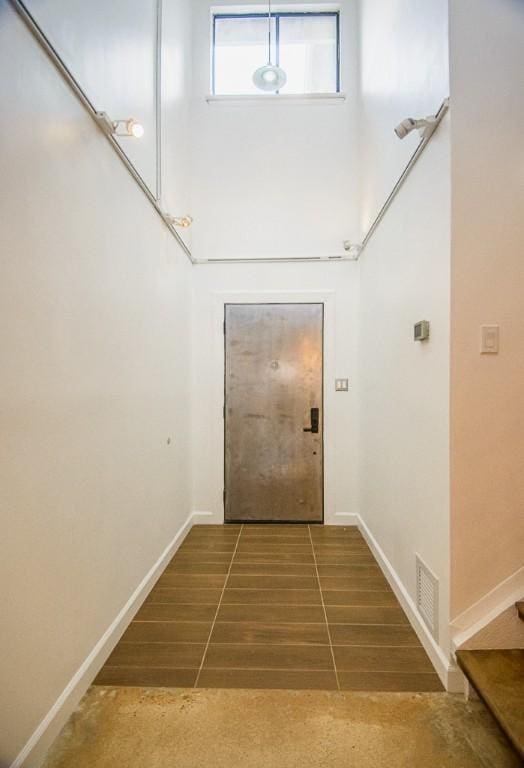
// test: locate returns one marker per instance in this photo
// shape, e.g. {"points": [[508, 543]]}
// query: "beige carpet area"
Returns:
{"points": [[188, 728]]}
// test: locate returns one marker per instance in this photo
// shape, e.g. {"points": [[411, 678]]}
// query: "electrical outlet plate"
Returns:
{"points": [[341, 385]]}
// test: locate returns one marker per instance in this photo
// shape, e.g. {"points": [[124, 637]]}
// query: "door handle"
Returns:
{"points": [[315, 416]]}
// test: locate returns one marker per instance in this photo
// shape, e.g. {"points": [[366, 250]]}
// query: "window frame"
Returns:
{"points": [[277, 15]]}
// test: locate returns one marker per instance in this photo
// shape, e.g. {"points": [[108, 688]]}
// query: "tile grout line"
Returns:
{"points": [[293, 605], [256, 621], [324, 609], [218, 608], [265, 644], [273, 669]]}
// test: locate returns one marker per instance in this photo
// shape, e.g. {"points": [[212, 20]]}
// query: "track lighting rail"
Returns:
{"points": [[82, 97], [353, 250], [426, 138]]}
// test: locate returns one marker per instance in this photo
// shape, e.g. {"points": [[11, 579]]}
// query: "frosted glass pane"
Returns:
{"points": [[308, 54], [241, 47]]}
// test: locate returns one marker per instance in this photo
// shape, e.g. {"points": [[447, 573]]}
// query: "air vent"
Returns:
{"points": [[427, 596]]}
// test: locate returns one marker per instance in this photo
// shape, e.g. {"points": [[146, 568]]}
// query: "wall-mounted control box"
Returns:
{"points": [[421, 330]]}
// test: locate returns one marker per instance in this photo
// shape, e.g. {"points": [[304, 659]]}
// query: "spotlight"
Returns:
{"points": [[127, 127], [425, 127], [134, 129], [178, 221]]}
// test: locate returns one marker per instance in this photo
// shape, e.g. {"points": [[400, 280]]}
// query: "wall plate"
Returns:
{"points": [[421, 330], [489, 339]]}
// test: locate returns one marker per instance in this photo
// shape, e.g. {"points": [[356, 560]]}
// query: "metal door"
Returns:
{"points": [[274, 412]]}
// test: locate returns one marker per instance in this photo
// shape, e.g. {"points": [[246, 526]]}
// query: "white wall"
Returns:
{"points": [[111, 50], [487, 393], [95, 359], [403, 73], [176, 80], [404, 277], [212, 285], [273, 179], [404, 387]]}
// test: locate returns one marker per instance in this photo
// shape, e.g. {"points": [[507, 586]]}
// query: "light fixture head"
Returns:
{"points": [[127, 127], [405, 127], [178, 221], [353, 249], [134, 129], [269, 78], [425, 127]]}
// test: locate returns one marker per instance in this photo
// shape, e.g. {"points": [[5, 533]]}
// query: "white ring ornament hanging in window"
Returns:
{"points": [[269, 77]]}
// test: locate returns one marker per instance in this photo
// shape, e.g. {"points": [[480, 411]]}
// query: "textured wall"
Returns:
{"points": [[404, 390], [487, 396], [273, 179], [95, 351], [403, 470], [506, 631], [403, 73]]}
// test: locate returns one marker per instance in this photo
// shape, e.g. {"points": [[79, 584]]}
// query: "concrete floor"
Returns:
{"points": [[186, 728]]}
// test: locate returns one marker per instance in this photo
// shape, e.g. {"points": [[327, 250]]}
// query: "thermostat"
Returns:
{"points": [[421, 330]]}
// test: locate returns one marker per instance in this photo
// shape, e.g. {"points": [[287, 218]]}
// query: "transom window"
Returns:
{"points": [[305, 45]]}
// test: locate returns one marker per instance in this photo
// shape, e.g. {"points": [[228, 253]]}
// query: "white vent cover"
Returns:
{"points": [[427, 596]]}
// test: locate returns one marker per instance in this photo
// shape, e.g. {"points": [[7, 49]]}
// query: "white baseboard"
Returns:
{"points": [[205, 518], [33, 753], [450, 675], [485, 610], [343, 518], [339, 518]]}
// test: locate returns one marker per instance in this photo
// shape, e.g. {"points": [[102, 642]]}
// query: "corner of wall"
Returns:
{"points": [[450, 675]]}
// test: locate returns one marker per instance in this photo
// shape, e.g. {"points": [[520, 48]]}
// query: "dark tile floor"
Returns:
{"points": [[272, 606]]}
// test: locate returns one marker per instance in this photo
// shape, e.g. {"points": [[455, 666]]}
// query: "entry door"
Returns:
{"points": [[273, 412]]}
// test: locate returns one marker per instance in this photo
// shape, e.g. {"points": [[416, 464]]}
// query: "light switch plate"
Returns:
{"points": [[342, 385], [489, 339]]}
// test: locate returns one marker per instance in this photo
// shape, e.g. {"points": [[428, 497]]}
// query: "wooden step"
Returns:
{"points": [[498, 678], [520, 609]]}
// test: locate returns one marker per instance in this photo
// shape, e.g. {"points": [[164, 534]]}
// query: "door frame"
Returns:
{"points": [[322, 405], [217, 432]]}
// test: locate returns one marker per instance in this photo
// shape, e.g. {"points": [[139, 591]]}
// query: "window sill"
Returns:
{"points": [[258, 100]]}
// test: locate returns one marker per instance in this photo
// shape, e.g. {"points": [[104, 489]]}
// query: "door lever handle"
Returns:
{"points": [[315, 417]]}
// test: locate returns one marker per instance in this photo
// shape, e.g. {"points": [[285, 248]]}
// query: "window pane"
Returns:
{"points": [[308, 53], [241, 47]]}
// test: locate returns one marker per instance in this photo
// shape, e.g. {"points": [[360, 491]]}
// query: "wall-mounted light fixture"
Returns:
{"points": [[352, 249], [127, 127], [178, 221], [425, 126]]}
